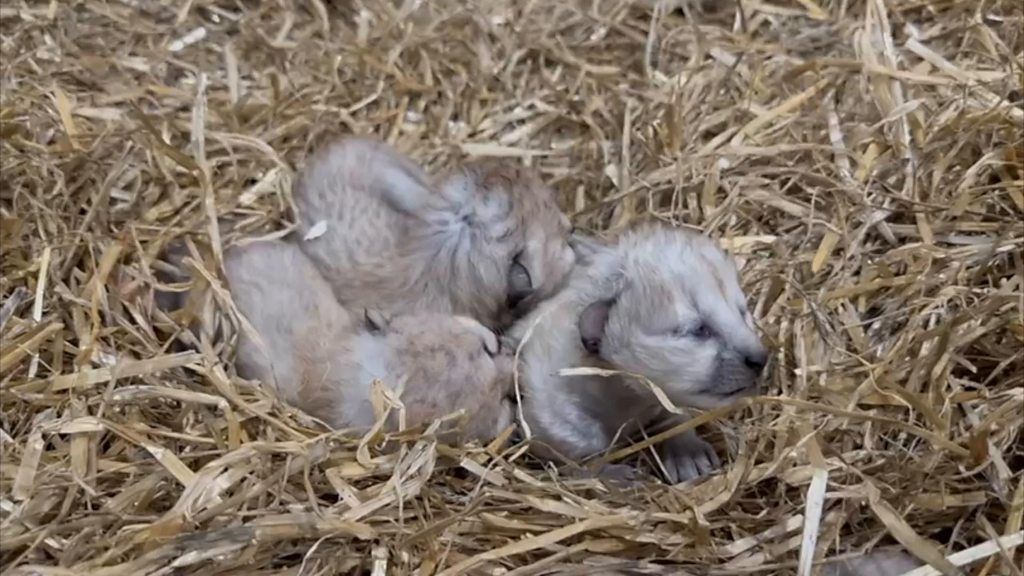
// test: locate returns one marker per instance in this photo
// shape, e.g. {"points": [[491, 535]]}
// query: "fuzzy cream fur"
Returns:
{"points": [[322, 359], [488, 241], [662, 303]]}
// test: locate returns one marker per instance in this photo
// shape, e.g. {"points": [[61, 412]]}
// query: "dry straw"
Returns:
{"points": [[863, 158]]}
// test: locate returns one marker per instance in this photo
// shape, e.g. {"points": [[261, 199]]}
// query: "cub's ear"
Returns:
{"points": [[403, 185], [396, 178], [388, 173], [592, 323], [585, 246], [375, 321]]}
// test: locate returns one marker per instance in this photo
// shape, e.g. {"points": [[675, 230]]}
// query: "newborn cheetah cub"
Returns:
{"points": [[662, 303], [488, 241], [322, 360]]}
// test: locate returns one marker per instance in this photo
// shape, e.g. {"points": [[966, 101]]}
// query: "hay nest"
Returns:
{"points": [[863, 158]]}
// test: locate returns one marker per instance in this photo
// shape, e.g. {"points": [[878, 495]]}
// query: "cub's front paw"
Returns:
{"points": [[687, 457]]}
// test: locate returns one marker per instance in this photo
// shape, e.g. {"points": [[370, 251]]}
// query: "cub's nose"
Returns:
{"points": [[756, 361]]}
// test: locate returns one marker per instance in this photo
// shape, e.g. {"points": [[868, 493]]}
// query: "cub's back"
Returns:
{"points": [[353, 232], [285, 300]]}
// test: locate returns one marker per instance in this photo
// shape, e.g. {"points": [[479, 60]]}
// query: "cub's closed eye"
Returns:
{"points": [[701, 332], [520, 285], [492, 349], [492, 346]]}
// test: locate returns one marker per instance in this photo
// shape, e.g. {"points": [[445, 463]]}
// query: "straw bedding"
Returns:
{"points": [[863, 159]]}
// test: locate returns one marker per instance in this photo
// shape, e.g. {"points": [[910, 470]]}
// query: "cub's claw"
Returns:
{"points": [[687, 457]]}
